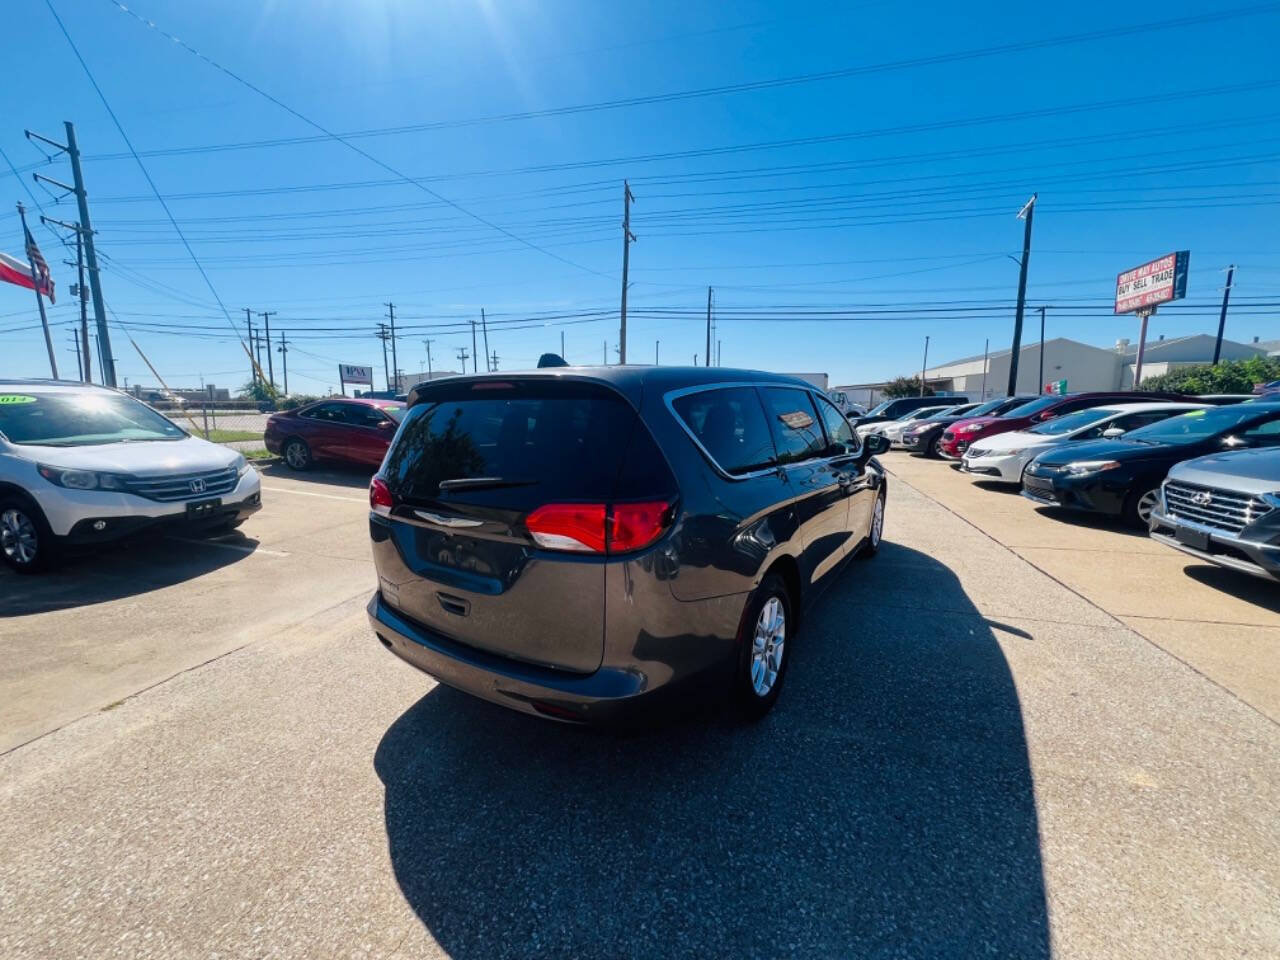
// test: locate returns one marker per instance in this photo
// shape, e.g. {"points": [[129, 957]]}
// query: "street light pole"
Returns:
{"points": [[1026, 213], [924, 364]]}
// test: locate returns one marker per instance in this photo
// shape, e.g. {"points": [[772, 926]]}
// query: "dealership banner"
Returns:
{"points": [[1153, 283]]}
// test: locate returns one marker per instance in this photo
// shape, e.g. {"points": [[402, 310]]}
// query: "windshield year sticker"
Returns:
{"points": [[15, 398]]}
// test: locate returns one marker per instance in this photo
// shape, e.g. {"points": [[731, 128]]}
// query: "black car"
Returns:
{"points": [[575, 542], [1122, 477], [900, 406], [923, 438]]}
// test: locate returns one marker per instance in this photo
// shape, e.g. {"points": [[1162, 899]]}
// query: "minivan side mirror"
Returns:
{"points": [[386, 425], [1112, 432], [875, 443]]}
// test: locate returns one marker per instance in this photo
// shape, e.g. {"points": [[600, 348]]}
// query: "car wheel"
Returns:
{"points": [[297, 455], [766, 639], [874, 532], [26, 542], [935, 448], [1139, 506]]}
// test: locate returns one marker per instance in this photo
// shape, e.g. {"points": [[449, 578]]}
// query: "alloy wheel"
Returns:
{"points": [[1147, 504], [877, 522], [18, 536], [767, 646], [296, 455]]}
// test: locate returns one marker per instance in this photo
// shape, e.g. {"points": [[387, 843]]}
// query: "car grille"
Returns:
{"points": [[1038, 485], [185, 486], [1218, 508]]}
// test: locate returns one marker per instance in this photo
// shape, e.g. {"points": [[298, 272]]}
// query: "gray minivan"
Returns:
{"points": [[576, 542]]}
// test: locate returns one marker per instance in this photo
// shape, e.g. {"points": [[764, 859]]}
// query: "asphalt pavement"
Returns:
{"points": [[970, 759]]}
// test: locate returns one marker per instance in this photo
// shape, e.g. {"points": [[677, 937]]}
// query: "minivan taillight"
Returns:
{"points": [[380, 501], [597, 528]]}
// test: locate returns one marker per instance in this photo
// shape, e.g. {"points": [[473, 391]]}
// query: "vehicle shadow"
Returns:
{"points": [[336, 474], [996, 486], [131, 567], [1092, 521], [885, 807], [1242, 586]]}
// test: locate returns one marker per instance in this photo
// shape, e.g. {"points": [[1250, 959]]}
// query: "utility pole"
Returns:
{"points": [[266, 320], [1222, 317], [495, 361], [708, 353], [391, 311], [627, 239], [257, 348], [924, 364], [75, 342], [719, 358], [284, 362], [386, 371], [1042, 309], [695, 359], [986, 348], [655, 352], [485, 326], [35, 284], [462, 356], [248, 322], [605, 359], [95, 283], [428, 345], [562, 356], [79, 291], [475, 354], [1026, 213]]}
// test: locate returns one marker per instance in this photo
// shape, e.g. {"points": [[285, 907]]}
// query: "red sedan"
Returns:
{"points": [[348, 430], [958, 436]]}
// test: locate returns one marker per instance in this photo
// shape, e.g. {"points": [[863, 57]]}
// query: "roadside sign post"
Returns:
{"points": [[1143, 288], [350, 373]]}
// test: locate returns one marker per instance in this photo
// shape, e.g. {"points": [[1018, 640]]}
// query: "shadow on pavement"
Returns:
{"points": [[338, 474], [1091, 521], [1242, 586], [131, 567], [885, 808]]}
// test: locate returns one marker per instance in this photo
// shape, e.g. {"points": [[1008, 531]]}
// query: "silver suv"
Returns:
{"points": [[1224, 509]]}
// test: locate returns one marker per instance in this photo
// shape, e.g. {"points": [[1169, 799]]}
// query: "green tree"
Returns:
{"points": [[904, 387], [257, 390], [1229, 376]]}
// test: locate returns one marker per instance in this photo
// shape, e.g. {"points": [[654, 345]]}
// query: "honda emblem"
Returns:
{"points": [[1202, 498], [197, 485]]}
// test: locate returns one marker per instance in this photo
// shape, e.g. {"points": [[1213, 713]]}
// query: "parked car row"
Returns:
{"points": [[1202, 474]]}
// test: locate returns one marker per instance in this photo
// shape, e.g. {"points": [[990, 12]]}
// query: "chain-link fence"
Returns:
{"points": [[237, 423]]}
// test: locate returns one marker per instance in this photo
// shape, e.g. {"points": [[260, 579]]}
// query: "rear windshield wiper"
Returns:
{"points": [[475, 483]]}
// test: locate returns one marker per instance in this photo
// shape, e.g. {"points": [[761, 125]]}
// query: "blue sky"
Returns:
{"points": [[895, 220]]}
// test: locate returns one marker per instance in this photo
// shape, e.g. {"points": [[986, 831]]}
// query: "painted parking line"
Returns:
{"points": [[308, 493]]}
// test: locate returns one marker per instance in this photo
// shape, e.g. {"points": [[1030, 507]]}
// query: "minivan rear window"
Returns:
{"points": [[729, 423], [538, 442]]}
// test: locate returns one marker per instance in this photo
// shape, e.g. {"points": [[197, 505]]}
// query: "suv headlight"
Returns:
{"points": [[1083, 468], [83, 479], [241, 465]]}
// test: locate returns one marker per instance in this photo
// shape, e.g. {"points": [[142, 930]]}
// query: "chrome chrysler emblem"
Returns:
{"points": [[1202, 498], [197, 485]]}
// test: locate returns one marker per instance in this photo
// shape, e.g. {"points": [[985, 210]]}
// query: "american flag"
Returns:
{"points": [[41, 266]]}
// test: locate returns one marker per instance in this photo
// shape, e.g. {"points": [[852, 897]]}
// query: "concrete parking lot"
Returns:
{"points": [[989, 746]]}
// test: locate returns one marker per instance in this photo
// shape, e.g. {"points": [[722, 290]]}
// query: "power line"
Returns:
{"points": [[1143, 29]]}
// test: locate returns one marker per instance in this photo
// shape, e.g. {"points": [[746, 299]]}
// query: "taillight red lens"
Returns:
{"points": [[380, 500], [589, 528], [637, 525], [569, 526]]}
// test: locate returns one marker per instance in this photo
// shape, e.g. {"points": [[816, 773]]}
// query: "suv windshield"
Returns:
{"points": [[1195, 425], [80, 419], [1073, 421]]}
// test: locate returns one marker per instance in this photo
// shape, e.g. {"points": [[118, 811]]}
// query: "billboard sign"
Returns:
{"points": [[1153, 283], [349, 373]]}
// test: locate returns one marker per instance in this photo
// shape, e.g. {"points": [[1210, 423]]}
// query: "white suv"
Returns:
{"points": [[81, 465]]}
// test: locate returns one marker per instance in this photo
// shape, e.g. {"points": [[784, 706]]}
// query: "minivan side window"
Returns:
{"points": [[730, 425], [796, 431], [839, 432]]}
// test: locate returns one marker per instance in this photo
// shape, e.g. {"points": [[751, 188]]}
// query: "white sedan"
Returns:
{"points": [[892, 429], [1003, 458]]}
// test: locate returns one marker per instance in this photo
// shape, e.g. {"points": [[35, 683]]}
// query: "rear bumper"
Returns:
{"points": [[1217, 546], [610, 694]]}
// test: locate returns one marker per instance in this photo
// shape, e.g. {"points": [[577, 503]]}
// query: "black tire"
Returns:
{"points": [[935, 447], [297, 455], [1138, 502], [871, 546], [23, 528], [751, 676]]}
